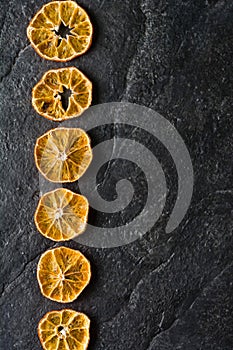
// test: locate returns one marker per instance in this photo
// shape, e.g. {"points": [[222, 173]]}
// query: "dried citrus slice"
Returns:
{"points": [[61, 214], [62, 274], [64, 330], [62, 94], [60, 31], [63, 155]]}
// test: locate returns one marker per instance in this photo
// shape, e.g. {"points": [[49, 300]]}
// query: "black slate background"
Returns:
{"points": [[162, 292]]}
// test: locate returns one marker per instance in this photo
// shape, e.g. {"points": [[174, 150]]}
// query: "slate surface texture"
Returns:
{"points": [[163, 291]]}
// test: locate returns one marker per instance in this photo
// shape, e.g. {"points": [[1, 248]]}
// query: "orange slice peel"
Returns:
{"points": [[63, 154], [60, 31], [62, 274], [61, 215], [65, 330], [62, 94]]}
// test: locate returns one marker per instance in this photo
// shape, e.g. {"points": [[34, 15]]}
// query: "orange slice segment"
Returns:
{"points": [[63, 155], [64, 330], [62, 274], [60, 31], [61, 215], [62, 94]]}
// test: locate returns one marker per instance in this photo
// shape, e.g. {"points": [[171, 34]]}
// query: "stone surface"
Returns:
{"points": [[163, 291]]}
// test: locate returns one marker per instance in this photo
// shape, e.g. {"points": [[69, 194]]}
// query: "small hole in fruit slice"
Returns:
{"points": [[62, 332], [65, 96], [63, 31], [45, 106]]}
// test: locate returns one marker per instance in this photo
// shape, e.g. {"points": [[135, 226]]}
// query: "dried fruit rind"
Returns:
{"points": [[65, 330], [63, 154], [61, 214], [47, 94], [60, 31], [62, 274]]}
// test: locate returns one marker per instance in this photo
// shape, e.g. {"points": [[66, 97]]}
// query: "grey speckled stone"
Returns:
{"points": [[163, 291]]}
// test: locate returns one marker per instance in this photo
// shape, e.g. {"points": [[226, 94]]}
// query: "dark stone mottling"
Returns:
{"points": [[163, 292]]}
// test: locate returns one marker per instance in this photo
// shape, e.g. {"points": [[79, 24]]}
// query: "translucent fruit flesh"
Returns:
{"points": [[62, 274], [63, 154], [64, 330], [62, 94], [61, 214], [60, 31]]}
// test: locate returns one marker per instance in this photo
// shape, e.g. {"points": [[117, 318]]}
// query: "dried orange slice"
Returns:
{"points": [[61, 214], [64, 330], [62, 274], [62, 94], [63, 154], [60, 31]]}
